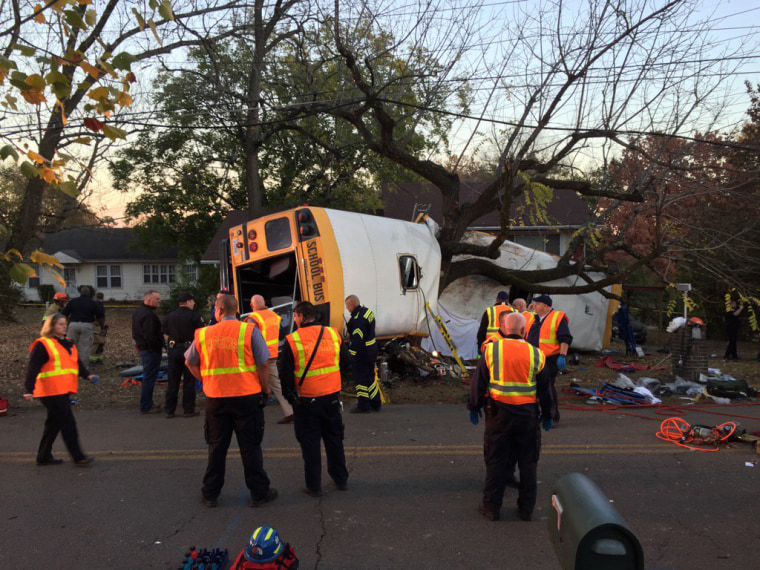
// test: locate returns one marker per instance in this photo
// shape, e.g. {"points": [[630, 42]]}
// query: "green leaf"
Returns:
{"points": [[20, 272], [113, 133], [74, 20], [83, 140], [27, 51], [69, 187], [123, 61], [29, 170], [7, 64], [140, 19], [165, 9], [90, 17], [7, 151]]}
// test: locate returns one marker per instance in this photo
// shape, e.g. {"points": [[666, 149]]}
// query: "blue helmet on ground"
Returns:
{"points": [[264, 546]]}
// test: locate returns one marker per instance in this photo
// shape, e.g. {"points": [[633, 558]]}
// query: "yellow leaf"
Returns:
{"points": [[91, 69], [98, 93], [35, 157], [39, 17], [33, 96], [48, 174], [14, 253], [44, 259], [84, 2], [59, 6], [58, 277], [124, 99], [153, 29]]}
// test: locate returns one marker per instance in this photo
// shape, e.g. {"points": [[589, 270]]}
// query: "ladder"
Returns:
{"points": [[447, 337]]}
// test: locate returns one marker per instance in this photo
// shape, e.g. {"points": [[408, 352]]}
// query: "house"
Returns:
{"points": [[565, 213], [109, 260]]}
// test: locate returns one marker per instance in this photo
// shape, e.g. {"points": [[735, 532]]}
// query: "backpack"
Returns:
{"points": [[729, 388]]}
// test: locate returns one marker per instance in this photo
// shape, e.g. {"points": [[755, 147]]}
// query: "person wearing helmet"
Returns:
{"points": [[59, 301], [265, 551]]}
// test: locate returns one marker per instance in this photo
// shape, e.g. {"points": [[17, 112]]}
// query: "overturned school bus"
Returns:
{"points": [[322, 256]]}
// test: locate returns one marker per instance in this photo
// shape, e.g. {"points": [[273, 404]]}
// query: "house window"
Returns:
{"points": [[191, 272], [70, 277], [108, 276], [159, 273], [409, 272], [34, 282]]}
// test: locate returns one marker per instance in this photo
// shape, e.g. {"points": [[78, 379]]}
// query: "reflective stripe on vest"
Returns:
{"points": [[493, 317], [530, 318], [268, 323], [60, 373], [547, 339], [489, 339], [513, 365], [227, 365], [323, 376]]}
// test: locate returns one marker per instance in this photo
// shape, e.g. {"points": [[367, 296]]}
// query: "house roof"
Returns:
{"points": [[100, 244], [566, 209]]}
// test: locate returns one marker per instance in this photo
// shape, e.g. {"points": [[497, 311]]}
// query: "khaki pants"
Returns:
{"points": [[81, 335], [276, 387]]}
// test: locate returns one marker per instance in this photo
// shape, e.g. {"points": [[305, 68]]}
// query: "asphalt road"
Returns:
{"points": [[416, 476]]}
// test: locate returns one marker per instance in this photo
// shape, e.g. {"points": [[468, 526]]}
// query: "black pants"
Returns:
{"points": [[242, 415], [551, 370], [179, 372], [733, 337], [60, 418], [363, 370], [315, 420], [507, 433]]}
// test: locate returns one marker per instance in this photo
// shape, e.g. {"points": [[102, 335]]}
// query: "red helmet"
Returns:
{"points": [[60, 297], [696, 322]]}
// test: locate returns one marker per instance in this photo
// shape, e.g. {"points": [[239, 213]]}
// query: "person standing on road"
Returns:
{"points": [[268, 323], [489, 322], [231, 358], [52, 375], [509, 384], [310, 372], [146, 331], [550, 332], [82, 312], [99, 338], [362, 347], [733, 326], [179, 330]]}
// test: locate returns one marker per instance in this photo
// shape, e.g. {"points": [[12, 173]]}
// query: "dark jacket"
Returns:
{"points": [[361, 331], [84, 310], [181, 323], [146, 329]]}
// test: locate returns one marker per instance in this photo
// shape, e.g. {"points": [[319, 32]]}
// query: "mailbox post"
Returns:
{"points": [[587, 532]]}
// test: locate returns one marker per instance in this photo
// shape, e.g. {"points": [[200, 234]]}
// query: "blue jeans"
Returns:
{"points": [[151, 362]]}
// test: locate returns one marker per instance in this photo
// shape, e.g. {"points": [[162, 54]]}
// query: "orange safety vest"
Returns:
{"points": [[529, 320], [323, 376], [513, 365], [268, 322], [493, 317], [60, 374], [489, 339], [547, 339], [228, 367]]}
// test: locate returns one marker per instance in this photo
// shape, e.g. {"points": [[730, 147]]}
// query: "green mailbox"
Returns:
{"points": [[587, 532]]}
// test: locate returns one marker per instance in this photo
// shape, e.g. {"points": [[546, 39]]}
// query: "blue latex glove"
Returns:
{"points": [[474, 417], [94, 379], [547, 423], [561, 362]]}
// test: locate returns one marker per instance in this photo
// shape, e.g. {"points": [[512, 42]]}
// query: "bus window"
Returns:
{"points": [[409, 272], [271, 278], [277, 233]]}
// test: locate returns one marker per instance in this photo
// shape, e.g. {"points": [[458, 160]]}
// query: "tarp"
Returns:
{"points": [[463, 331]]}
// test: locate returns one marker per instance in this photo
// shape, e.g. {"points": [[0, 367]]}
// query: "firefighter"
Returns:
{"points": [[268, 322], [489, 322], [310, 373], [509, 384], [362, 347], [100, 330], [179, 330], [230, 357], [59, 302], [550, 332]]}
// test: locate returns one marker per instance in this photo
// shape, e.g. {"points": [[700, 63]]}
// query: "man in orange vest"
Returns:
{"points": [[310, 373], [508, 383], [550, 332], [268, 322], [230, 358], [489, 322]]}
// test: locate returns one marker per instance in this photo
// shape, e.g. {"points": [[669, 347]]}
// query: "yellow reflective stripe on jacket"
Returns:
{"points": [[57, 370], [241, 367], [502, 386], [554, 320]]}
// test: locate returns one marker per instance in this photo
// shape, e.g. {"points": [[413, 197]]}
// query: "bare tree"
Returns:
{"points": [[564, 90]]}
